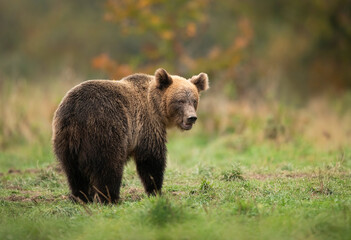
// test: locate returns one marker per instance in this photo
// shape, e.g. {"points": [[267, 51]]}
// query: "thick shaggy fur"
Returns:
{"points": [[100, 124]]}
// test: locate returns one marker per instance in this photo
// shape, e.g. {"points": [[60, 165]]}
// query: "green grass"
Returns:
{"points": [[216, 187]]}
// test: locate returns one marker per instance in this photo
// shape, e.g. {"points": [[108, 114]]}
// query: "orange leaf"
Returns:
{"points": [[191, 30]]}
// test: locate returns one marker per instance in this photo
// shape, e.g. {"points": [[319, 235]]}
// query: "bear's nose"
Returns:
{"points": [[192, 119]]}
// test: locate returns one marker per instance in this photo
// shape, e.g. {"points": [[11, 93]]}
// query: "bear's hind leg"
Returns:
{"points": [[78, 184], [106, 185]]}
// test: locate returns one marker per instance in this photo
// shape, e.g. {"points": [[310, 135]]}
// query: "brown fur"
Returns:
{"points": [[100, 124]]}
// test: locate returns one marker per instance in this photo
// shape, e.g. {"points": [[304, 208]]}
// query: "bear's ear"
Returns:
{"points": [[200, 81], [163, 79]]}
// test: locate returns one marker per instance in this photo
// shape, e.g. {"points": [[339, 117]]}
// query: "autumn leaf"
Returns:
{"points": [[191, 30]]}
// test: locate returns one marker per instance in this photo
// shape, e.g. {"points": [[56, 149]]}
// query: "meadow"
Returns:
{"points": [[248, 170]]}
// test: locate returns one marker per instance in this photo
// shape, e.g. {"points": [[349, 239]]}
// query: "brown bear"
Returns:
{"points": [[100, 124]]}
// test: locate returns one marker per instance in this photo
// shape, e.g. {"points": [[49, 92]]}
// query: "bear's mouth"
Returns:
{"points": [[186, 126]]}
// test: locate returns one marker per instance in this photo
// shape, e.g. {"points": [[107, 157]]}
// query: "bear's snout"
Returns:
{"points": [[189, 119]]}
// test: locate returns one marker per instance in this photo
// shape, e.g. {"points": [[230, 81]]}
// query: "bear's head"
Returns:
{"points": [[180, 97]]}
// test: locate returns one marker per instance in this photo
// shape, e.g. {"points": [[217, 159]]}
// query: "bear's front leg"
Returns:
{"points": [[151, 167]]}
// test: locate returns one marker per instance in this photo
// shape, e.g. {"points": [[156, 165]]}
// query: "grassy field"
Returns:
{"points": [[246, 171]]}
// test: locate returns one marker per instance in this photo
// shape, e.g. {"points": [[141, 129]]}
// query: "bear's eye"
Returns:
{"points": [[180, 101], [195, 102]]}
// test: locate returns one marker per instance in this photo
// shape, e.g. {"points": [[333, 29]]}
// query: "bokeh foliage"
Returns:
{"points": [[256, 48]]}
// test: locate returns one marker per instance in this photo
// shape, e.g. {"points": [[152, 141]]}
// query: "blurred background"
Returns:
{"points": [[280, 71]]}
